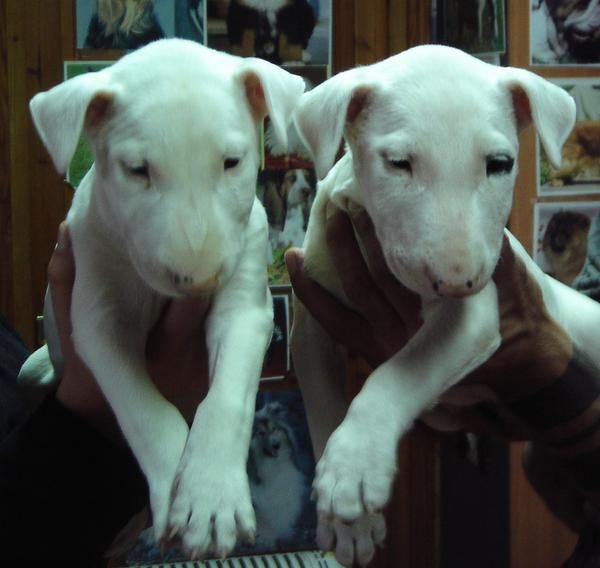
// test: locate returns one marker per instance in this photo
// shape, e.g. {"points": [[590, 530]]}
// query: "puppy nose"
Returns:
{"points": [[460, 290], [455, 283], [189, 286]]}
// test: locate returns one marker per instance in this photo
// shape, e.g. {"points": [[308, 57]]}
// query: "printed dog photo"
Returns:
{"points": [[280, 31], [280, 469], [287, 196], [579, 171], [561, 237], [564, 32]]}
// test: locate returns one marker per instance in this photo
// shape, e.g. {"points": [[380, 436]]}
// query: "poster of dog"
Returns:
{"points": [[475, 26], [283, 32], [287, 196], [123, 25], [561, 236], [579, 172], [564, 32], [280, 471]]}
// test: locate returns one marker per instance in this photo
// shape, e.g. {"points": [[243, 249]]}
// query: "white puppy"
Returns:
{"points": [[169, 210], [431, 155]]}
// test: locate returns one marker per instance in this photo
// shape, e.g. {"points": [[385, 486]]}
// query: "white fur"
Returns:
{"points": [[423, 129], [190, 225]]}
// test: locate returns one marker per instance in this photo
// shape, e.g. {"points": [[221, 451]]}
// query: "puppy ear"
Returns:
{"points": [[323, 114], [272, 91], [549, 107], [59, 114]]}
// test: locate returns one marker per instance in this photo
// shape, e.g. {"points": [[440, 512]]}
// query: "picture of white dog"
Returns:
{"points": [[169, 210], [279, 487], [280, 469]]}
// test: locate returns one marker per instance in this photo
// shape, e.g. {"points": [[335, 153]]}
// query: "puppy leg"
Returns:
{"points": [[321, 375], [113, 347], [356, 471], [211, 503]]}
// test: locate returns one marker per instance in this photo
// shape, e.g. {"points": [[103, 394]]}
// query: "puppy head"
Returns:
{"points": [[433, 137], [173, 127]]}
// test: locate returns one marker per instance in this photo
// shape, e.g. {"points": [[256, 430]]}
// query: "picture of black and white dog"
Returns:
{"points": [[275, 30], [278, 486], [565, 31]]}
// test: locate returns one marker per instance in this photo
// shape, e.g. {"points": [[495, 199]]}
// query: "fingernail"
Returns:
{"points": [[62, 240]]}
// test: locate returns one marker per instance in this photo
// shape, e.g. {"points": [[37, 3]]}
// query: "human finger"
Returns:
{"points": [[61, 276], [350, 265], [406, 303], [343, 324]]}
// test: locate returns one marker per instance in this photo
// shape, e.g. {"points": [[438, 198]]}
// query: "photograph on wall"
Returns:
{"points": [[276, 364], [284, 32], [579, 172], [124, 25], [287, 196], [280, 471], [564, 33], [82, 158], [475, 26], [560, 237]]}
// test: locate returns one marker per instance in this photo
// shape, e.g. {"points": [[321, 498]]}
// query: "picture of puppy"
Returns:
{"points": [[565, 244], [278, 486], [123, 24], [579, 170], [275, 30], [294, 32], [280, 467], [287, 197], [561, 232], [565, 32]]}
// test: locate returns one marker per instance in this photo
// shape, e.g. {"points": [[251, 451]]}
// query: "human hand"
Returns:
{"points": [[387, 315], [176, 349]]}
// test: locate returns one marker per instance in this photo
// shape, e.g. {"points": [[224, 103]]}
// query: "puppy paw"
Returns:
{"points": [[353, 543], [211, 506], [355, 474]]}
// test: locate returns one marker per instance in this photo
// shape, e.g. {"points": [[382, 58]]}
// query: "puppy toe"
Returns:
{"points": [[246, 524], [224, 534], [198, 533], [347, 503], [376, 492]]}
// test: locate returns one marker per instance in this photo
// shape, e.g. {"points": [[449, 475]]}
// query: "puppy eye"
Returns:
{"points": [[400, 165], [138, 170], [499, 165], [230, 163]]}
